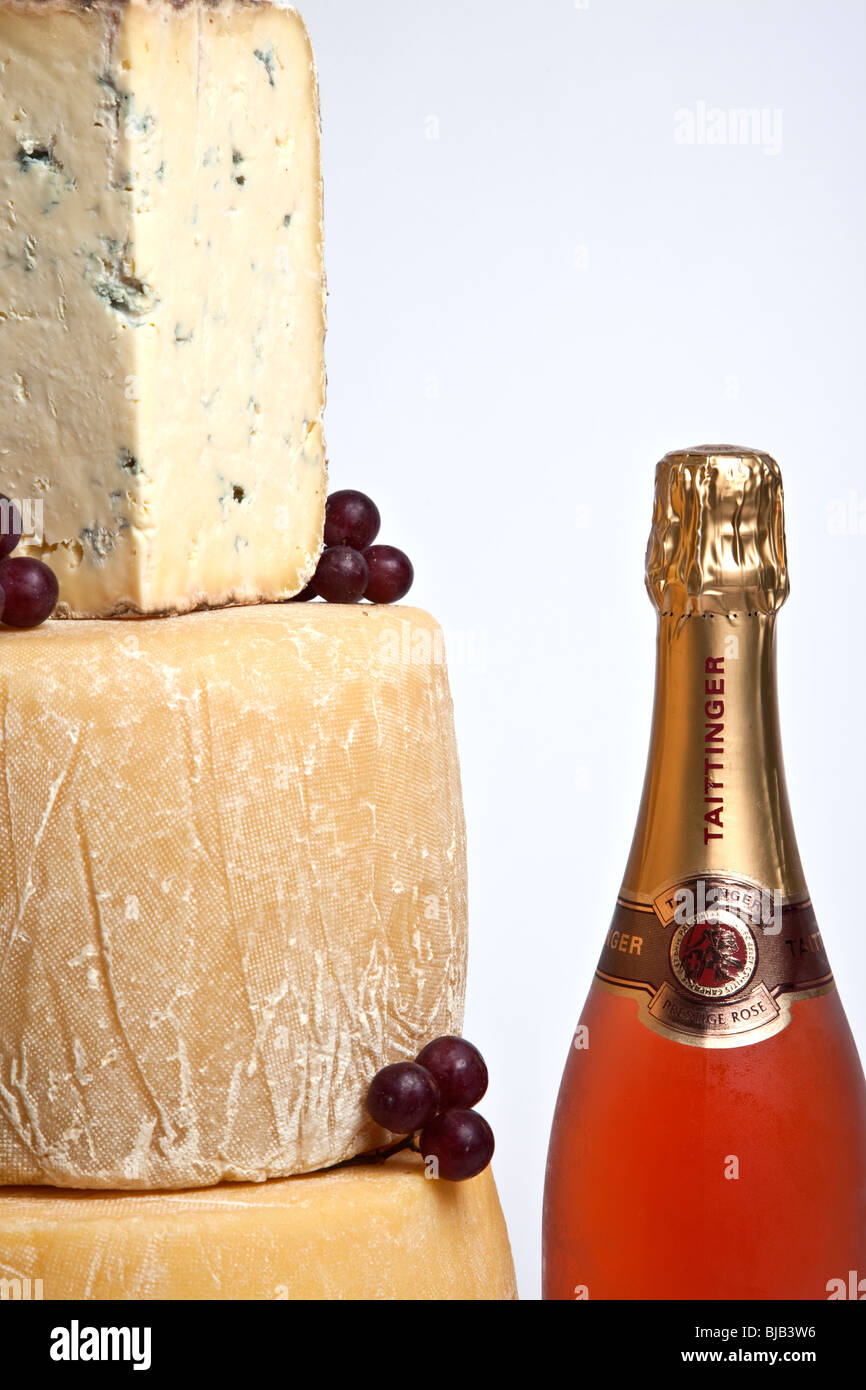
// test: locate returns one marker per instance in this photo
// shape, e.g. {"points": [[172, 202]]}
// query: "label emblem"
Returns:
{"points": [[714, 954]]}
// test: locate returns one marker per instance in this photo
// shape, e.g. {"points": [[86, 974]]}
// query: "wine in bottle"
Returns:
{"points": [[709, 1140]]}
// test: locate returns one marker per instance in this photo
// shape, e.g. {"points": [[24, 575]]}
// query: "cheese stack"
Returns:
{"points": [[232, 856]]}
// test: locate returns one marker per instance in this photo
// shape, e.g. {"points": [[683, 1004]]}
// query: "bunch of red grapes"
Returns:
{"points": [[28, 588], [351, 567], [435, 1094]]}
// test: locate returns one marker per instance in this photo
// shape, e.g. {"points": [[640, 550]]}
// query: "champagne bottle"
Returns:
{"points": [[709, 1140]]}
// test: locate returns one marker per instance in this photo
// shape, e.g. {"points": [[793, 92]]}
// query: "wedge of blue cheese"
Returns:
{"points": [[162, 289]]}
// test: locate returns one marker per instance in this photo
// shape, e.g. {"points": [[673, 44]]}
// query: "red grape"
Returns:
{"points": [[31, 591], [391, 574], [341, 575], [458, 1067], [403, 1097], [461, 1141], [10, 526], [351, 518]]}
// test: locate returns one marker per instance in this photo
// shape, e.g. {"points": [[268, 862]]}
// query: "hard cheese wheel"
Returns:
{"points": [[232, 887], [367, 1232]]}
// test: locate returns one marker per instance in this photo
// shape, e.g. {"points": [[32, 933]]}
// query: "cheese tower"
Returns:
{"points": [[232, 851]]}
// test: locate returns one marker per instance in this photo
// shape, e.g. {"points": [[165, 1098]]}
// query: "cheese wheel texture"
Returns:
{"points": [[232, 887], [367, 1232], [162, 300]]}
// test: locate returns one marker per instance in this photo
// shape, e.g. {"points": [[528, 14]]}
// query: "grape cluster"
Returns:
{"points": [[351, 567], [435, 1094], [28, 588]]}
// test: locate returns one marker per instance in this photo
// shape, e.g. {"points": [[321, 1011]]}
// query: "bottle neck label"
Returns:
{"points": [[715, 961], [714, 800]]}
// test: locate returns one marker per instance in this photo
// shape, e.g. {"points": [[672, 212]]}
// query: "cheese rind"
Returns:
{"points": [[232, 887], [162, 298], [368, 1232]]}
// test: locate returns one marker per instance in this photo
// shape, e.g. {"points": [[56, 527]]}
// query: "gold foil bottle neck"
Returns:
{"points": [[717, 543]]}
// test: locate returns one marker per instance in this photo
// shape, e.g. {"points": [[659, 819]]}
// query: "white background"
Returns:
{"points": [[535, 291]]}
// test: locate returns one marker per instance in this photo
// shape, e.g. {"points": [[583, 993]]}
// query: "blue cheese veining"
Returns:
{"points": [[162, 299]]}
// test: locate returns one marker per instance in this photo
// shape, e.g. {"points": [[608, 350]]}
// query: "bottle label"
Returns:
{"points": [[715, 962]]}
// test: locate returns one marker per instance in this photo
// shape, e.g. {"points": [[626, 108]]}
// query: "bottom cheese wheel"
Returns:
{"points": [[372, 1231]]}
